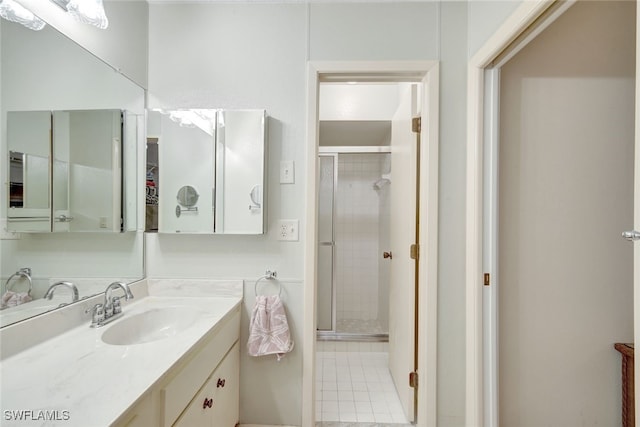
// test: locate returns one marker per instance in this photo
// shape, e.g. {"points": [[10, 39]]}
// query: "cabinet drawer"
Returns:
{"points": [[217, 403], [177, 394]]}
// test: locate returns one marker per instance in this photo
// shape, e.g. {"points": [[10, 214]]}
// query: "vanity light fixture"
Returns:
{"points": [[86, 11], [12, 11]]}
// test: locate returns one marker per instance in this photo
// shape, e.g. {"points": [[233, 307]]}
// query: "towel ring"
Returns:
{"points": [[269, 275], [23, 272]]}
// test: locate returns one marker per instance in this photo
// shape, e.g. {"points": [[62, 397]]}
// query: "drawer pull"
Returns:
{"points": [[220, 383], [208, 403]]}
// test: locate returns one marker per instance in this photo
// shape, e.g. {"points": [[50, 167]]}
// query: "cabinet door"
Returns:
{"points": [[141, 415], [226, 395], [217, 402], [240, 172], [29, 143], [87, 170]]}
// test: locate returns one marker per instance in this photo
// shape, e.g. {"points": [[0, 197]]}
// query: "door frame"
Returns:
{"points": [[392, 71], [523, 26]]}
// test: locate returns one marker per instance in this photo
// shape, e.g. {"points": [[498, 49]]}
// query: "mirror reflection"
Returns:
{"points": [[57, 180], [28, 136], [84, 167], [215, 157]]}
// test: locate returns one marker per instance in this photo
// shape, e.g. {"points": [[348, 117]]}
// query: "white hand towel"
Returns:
{"points": [[268, 328]]}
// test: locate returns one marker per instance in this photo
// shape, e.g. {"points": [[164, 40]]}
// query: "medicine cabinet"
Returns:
{"points": [[210, 173], [66, 171]]}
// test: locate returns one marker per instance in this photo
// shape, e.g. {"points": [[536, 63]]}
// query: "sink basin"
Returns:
{"points": [[151, 325]]}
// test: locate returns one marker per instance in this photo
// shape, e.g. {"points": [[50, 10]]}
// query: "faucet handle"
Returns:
{"points": [[117, 307], [97, 314]]}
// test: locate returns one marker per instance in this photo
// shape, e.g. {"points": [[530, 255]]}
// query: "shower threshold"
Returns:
{"points": [[350, 336]]}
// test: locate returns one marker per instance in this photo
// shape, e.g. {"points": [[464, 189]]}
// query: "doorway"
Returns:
{"points": [[355, 219], [549, 172], [425, 73], [557, 177]]}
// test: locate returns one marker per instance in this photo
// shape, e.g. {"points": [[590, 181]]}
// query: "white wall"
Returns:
{"points": [[451, 245], [375, 31], [566, 193], [484, 19], [123, 45]]}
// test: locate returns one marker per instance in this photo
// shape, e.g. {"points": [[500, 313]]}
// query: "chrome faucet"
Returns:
{"points": [[74, 290], [110, 310]]}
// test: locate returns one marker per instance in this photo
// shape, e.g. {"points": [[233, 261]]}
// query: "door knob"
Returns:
{"points": [[387, 255], [631, 235]]}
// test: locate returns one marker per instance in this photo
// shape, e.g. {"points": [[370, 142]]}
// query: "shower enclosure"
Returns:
{"points": [[353, 233]]}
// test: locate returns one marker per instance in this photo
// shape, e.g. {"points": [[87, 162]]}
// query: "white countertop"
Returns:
{"points": [[92, 381]]}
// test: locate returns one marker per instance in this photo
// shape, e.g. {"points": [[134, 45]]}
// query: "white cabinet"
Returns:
{"points": [[209, 374], [219, 158], [142, 415], [217, 403], [68, 171]]}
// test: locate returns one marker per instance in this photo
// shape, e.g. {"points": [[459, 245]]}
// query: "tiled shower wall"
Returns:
{"points": [[357, 236]]}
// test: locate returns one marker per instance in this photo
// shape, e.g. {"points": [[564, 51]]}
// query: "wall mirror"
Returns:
{"points": [[218, 155], [66, 170], [56, 101]]}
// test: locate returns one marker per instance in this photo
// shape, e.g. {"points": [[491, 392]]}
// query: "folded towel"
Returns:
{"points": [[12, 299], [268, 328]]}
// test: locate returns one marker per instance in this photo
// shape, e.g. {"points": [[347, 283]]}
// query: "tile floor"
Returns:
{"points": [[356, 386]]}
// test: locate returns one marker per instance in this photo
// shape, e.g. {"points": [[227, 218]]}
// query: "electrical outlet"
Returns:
{"points": [[103, 222], [287, 172], [288, 230]]}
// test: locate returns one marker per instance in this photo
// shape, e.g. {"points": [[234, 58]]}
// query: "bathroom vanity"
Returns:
{"points": [[171, 360]]}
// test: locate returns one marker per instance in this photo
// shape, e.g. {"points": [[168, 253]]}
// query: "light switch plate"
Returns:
{"points": [[288, 230], [287, 172]]}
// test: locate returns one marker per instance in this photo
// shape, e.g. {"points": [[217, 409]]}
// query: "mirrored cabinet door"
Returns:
{"points": [[29, 144], [66, 171], [87, 170], [240, 173], [210, 172], [186, 140]]}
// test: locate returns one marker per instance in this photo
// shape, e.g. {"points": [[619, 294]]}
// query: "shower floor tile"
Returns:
{"points": [[359, 326], [356, 387]]}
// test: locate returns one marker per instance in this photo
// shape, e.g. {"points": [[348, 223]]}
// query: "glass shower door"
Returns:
{"points": [[325, 309]]}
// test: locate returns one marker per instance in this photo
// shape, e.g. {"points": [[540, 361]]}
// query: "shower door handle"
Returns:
{"points": [[327, 243]]}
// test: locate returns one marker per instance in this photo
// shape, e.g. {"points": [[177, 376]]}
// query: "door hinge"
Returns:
{"points": [[416, 124], [413, 379], [414, 251], [487, 279]]}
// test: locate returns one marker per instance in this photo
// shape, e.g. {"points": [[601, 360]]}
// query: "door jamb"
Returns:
{"points": [[428, 72]]}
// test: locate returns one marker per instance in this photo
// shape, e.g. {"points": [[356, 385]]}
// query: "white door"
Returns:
{"points": [[402, 292]]}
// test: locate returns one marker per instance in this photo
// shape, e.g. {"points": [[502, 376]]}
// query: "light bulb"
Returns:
{"points": [[12, 11], [89, 12]]}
